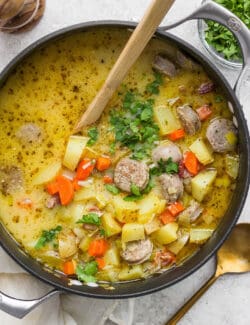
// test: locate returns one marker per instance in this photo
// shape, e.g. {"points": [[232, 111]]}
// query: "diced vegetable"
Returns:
{"points": [[52, 188], [66, 189], [231, 138], [112, 256], [76, 211], [110, 226], [181, 241], [152, 226], [103, 163], [177, 135], [201, 183], [109, 274], [202, 152], [223, 181], [125, 211], [47, 174], [69, 267], [166, 217], [175, 208], [74, 151], [149, 206], [100, 262], [200, 235], [191, 162], [85, 168], [166, 120], [232, 165], [85, 193], [132, 231], [107, 179], [204, 112], [130, 273], [98, 247], [67, 245], [87, 272], [166, 234], [84, 243]]}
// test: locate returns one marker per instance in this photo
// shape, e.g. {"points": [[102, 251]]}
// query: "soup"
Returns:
{"points": [[136, 193]]}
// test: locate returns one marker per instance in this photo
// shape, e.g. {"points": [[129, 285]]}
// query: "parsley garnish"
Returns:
{"points": [[218, 99], [134, 126], [47, 236], [92, 218], [87, 272], [135, 190], [103, 233], [153, 87], [162, 167], [220, 37], [112, 189], [93, 134]]}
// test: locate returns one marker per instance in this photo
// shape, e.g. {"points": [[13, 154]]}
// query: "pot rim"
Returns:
{"points": [[16, 255]]}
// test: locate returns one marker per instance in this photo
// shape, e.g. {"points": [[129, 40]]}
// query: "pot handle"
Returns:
{"points": [[19, 307], [213, 11]]}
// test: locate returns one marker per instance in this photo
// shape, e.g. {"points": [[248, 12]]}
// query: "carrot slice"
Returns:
{"points": [[191, 162], [166, 217], [25, 203], [69, 267], [66, 189], [103, 163], [204, 112], [100, 262], [52, 188], [176, 135], [98, 247], [175, 208], [75, 184], [107, 179], [85, 168]]}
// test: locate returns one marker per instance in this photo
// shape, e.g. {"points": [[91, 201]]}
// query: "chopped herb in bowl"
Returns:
{"points": [[220, 38]]}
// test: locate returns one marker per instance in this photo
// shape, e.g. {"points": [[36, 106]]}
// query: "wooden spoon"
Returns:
{"points": [[134, 47]]}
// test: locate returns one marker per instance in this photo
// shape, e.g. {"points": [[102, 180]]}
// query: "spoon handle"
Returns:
{"points": [[134, 47], [185, 308]]}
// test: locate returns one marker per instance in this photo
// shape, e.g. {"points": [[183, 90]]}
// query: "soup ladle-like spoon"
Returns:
{"points": [[134, 47], [232, 257]]}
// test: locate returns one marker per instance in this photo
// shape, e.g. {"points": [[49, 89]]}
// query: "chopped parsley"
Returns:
{"points": [[218, 99], [220, 38], [93, 134], [162, 167], [103, 233], [137, 194], [92, 218], [112, 189], [87, 272], [135, 190], [153, 87], [134, 127], [47, 237]]}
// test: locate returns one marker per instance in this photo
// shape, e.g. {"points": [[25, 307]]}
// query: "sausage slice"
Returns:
{"points": [[166, 151], [137, 252], [219, 134], [172, 187], [189, 119], [163, 65], [128, 172]]}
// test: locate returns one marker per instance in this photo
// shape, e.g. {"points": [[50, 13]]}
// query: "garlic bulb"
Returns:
{"points": [[10, 8]]}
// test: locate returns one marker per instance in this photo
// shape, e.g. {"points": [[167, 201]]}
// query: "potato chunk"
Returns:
{"points": [[125, 212], [47, 174], [166, 120], [166, 234], [201, 183], [67, 243], [74, 151], [130, 273], [110, 226], [132, 232], [202, 152], [149, 206], [112, 256]]}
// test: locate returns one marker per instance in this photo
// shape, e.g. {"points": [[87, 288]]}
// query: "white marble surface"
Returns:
{"points": [[228, 301]]}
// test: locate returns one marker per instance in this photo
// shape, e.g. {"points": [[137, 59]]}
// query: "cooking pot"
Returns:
{"points": [[210, 10]]}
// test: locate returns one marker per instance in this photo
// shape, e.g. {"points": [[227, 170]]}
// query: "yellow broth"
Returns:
{"points": [[51, 88]]}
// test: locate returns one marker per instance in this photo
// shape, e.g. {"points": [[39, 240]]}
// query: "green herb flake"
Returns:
{"points": [[47, 237], [218, 99], [162, 167], [135, 190], [103, 233], [220, 38], [153, 87], [93, 134], [112, 148], [87, 272], [112, 189], [92, 218]]}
